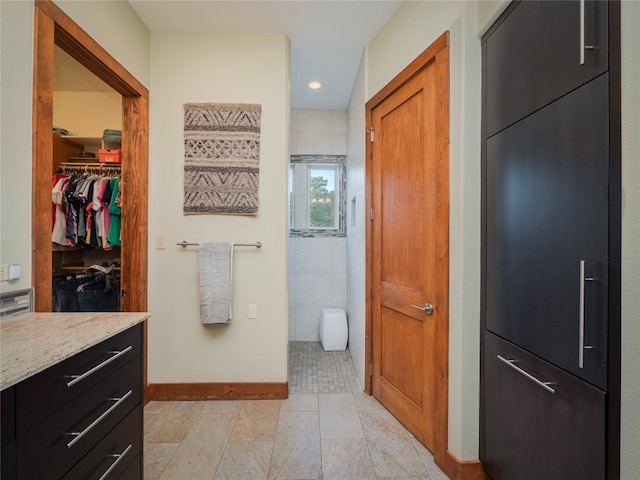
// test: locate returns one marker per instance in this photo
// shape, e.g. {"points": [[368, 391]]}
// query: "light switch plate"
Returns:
{"points": [[160, 242], [253, 310]]}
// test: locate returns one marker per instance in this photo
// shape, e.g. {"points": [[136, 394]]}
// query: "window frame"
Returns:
{"points": [[299, 201]]}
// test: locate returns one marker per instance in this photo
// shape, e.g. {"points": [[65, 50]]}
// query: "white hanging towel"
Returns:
{"points": [[216, 282]]}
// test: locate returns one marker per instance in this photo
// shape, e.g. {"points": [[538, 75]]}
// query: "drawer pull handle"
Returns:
{"points": [[78, 378], [544, 385], [118, 457], [79, 435]]}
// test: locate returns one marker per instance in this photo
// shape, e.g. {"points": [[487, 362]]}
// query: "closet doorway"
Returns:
{"points": [[54, 28]]}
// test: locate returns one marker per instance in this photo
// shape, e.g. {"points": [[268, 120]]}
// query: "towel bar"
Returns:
{"points": [[185, 244]]}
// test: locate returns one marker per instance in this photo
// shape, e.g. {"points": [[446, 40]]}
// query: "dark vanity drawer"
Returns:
{"points": [[133, 471], [551, 423], [8, 412], [48, 450], [8, 433], [41, 395], [112, 457]]}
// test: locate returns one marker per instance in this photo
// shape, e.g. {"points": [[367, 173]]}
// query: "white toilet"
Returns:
{"points": [[334, 331]]}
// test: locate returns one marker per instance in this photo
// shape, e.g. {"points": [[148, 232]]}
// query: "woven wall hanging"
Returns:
{"points": [[221, 158]]}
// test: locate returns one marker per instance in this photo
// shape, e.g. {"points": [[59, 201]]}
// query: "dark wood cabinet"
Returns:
{"points": [[534, 57], [81, 418], [547, 211], [8, 433], [534, 432], [550, 313]]}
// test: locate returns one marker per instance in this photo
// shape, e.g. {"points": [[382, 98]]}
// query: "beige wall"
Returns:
{"points": [[630, 431], [87, 114], [356, 224], [117, 28], [221, 69], [16, 57]]}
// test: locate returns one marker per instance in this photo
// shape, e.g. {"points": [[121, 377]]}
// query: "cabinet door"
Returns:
{"points": [[533, 58], [547, 211], [8, 433], [532, 433]]}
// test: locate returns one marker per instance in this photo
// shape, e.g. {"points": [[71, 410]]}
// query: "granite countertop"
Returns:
{"points": [[32, 342]]}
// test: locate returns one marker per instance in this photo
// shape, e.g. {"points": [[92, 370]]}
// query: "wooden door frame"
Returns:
{"points": [[438, 54], [53, 27]]}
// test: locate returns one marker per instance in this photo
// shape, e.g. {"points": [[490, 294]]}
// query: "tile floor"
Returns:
{"points": [[326, 429]]}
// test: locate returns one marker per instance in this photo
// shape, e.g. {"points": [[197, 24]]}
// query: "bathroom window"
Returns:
{"points": [[317, 185]]}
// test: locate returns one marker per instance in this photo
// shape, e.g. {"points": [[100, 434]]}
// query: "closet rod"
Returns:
{"points": [[185, 244]]}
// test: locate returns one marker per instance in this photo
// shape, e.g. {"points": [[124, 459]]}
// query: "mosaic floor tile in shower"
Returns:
{"points": [[312, 370]]}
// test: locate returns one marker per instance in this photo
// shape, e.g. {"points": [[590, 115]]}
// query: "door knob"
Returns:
{"points": [[428, 308]]}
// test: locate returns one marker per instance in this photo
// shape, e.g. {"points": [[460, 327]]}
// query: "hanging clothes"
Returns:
{"points": [[86, 210], [115, 211]]}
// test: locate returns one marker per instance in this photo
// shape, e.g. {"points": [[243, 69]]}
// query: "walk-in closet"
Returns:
{"points": [[87, 199], [89, 220]]}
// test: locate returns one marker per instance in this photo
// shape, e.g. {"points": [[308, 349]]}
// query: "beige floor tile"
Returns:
{"points": [[257, 421], [339, 416], [156, 458], [368, 403], [245, 460], [167, 427], [281, 439], [390, 446], [427, 459], [221, 406], [296, 452], [173, 407], [198, 456], [346, 459], [301, 402]]}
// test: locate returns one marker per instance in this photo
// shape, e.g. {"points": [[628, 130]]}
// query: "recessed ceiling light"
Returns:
{"points": [[315, 85]]}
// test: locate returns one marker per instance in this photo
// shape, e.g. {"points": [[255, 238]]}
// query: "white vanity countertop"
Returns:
{"points": [[32, 342]]}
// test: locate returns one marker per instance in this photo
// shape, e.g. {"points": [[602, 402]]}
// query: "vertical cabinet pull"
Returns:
{"points": [[583, 47], [581, 345], [118, 457]]}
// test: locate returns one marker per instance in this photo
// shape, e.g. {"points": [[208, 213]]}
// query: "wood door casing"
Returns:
{"points": [[54, 27], [407, 246]]}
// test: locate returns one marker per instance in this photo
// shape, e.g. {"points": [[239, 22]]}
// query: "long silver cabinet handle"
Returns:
{"points": [[511, 363], [581, 345], [118, 457], [79, 435], [583, 47], [79, 378]]}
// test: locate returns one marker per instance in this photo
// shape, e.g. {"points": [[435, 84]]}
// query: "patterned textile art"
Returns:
{"points": [[221, 158]]}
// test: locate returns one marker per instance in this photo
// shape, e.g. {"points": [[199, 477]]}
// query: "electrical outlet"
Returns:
{"points": [[160, 242], [4, 272]]}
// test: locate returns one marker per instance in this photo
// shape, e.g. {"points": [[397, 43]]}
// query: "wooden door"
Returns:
{"points": [[409, 252]]}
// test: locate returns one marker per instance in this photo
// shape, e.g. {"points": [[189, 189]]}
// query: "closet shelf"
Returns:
{"points": [[86, 141]]}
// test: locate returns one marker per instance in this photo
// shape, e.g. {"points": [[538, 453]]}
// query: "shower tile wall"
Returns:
{"points": [[317, 266]]}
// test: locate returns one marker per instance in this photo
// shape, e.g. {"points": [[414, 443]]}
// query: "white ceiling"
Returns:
{"points": [[327, 37]]}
